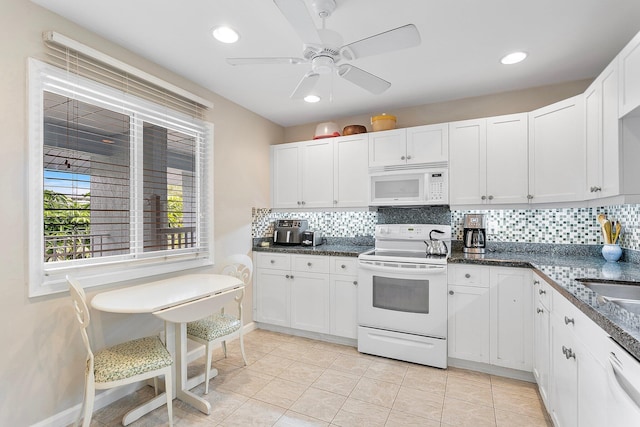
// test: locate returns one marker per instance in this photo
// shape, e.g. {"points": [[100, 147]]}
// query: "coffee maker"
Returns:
{"points": [[475, 235]]}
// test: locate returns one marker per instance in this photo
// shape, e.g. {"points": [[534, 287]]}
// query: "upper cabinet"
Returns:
{"points": [[350, 171], [557, 152], [302, 174], [629, 65], [603, 135], [323, 173], [411, 146], [488, 160]]}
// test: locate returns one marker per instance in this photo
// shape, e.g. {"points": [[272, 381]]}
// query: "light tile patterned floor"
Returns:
{"points": [[292, 381]]}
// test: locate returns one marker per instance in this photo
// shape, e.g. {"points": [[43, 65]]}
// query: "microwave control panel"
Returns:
{"points": [[437, 186]]}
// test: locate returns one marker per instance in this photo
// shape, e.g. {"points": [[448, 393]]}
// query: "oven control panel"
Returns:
{"points": [[412, 231]]}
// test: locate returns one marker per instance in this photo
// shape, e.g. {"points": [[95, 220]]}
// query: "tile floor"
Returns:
{"points": [[292, 381]]}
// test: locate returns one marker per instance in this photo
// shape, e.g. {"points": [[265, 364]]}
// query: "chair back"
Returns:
{"points": [[239, 266], [82, 312]]}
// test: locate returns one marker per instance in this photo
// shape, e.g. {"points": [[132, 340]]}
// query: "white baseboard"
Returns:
{"points": [[307, 334], [492, 370]]}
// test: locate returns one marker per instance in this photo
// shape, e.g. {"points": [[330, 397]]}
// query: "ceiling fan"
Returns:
{"points": [[323, 48]]}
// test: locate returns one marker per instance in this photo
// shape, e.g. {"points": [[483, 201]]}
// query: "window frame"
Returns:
{"points": [[47, 279]]}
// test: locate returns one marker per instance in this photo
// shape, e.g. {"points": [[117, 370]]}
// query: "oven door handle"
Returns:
{"points": [[429, 269]]}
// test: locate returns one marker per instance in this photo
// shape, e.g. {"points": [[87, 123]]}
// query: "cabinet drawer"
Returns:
{"points": [[311, 263], [273, 260], [570, 316], [466, 275], [344, 265]]}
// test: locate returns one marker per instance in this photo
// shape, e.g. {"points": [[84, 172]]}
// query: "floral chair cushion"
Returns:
{"points": [[212, 327], [130, 358]]}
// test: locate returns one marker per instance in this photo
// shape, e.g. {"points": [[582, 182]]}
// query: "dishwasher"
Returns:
{"points": [[624, 384]]}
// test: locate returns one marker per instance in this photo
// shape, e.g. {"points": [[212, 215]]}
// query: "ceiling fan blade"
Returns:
{"points": [[396, 39], [298, 16], [367, 81], [275, 60], [306, 85]]}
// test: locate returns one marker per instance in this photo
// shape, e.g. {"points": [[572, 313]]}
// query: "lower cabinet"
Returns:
{"points": [[490, 319], [541, 334], [307, 292]]}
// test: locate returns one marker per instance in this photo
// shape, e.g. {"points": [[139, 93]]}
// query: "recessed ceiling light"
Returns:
{"points": [[312, 98], [225, 34], [513, 58]]}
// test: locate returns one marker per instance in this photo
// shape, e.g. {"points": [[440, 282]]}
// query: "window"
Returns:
{"points": [[119, 185]]}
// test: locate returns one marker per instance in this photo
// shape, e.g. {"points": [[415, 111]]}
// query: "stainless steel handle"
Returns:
{"points": [[529, 196], [355, 283], [595, 189], [273, 261], [467, 275], [451, 292], [291, 277], [402, 158], [343, 266], [536, 282], [568, 353], [483, 197], [490, 197], [303, 202], [299, 203], [335, 202], [542, 291], [568, 320], [539, 310], [287, 276], [408, 157], [309, 264]]}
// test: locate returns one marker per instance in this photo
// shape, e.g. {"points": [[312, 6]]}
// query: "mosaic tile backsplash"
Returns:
{"points": [[577, 226]]}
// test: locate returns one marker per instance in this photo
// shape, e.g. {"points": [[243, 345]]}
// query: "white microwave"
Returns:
{"points": [[409, 188]]}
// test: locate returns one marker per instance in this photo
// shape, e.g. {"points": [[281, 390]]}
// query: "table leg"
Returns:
{"points": [[144, 409], [181, 359]]}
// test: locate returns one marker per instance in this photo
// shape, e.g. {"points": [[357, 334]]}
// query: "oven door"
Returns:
{"points": [[403, 297]]}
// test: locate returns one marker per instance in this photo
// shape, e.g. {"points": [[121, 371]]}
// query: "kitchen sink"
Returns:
{"points": [[615, 290]]}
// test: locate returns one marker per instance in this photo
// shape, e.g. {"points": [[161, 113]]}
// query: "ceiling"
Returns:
{"points": [[462, 43]]}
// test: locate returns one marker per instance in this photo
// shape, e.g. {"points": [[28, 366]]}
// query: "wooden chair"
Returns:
{"points": [[122, 364], [219, 327]]}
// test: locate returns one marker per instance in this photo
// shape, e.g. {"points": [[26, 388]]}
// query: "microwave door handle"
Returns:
{"points": [[288, 236]]}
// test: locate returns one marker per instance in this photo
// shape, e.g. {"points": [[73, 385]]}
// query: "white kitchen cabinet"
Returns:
{"points": [[302, 174], [310, 298], [272, 297], [488, 160], [564, 374], [541, 336], [411, 146], [603, 135], [350, 171], [468, 323], [511, 318], [557, 166], [344, 297], [490, 315], [629, 64]]}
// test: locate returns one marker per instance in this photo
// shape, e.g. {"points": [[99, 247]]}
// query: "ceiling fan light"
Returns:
{"points": [[513, 58], [311, 99], [225, 34]]}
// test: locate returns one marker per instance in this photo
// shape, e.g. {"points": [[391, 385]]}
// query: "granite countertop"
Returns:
{"points": [[345, 250], [560, 271]]}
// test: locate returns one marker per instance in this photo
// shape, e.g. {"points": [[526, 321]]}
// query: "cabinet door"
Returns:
{"points": [[564, 375], [272, 297], [310, 299], [317, 173], [511, 318], [351, 171], [428, 144], [285, 178], [629, 64], [467, 162], [507, 159], [557, 152], [468, 323], [344, 302], [541, 360], [593, 139], [387, 148]]}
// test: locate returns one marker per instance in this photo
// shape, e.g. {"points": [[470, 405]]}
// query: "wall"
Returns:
{"points": [[42, 358], [462, 109]]}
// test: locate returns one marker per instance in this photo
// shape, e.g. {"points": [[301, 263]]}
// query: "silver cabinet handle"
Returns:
{"points": [[291, 277], [408, 157], [568, 353], [467, 275], [303, 202], [484, 197], [529, 196], [402, 158], [309, 264], [287, 276], [490, 197], [355, 283], [596, 189], [536, 282], [542, 292], [539, 310], [299, 203], [568, 320], [273, 261], [451, 292], [335, 202]]}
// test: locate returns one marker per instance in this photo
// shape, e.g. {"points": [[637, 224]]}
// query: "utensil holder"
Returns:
{"points": [[611, 252]]}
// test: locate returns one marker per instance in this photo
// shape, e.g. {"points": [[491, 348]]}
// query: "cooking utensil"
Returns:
{"points": [[617, 233], [353, 129], [607, 231]]}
